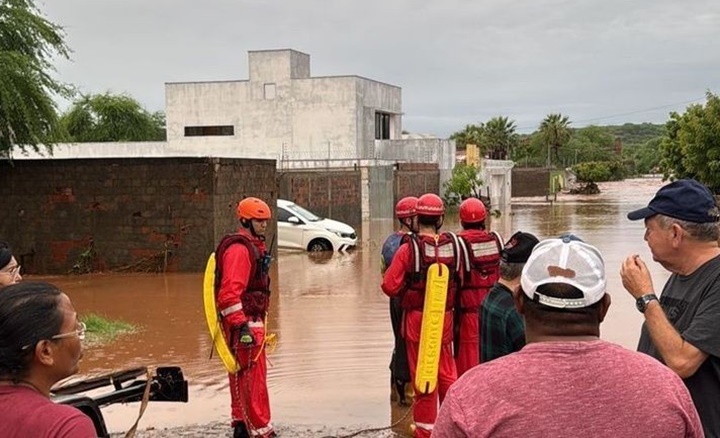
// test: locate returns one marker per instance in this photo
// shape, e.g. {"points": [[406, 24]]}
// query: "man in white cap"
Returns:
{"points": [[567, 382]]}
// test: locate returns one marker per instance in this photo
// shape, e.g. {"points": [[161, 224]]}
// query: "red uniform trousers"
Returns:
{"points": [[469, 343], [425, 408], [250, 402]]}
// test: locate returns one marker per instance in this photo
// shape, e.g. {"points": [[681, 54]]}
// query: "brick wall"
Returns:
{"points": [[533, 181], [335, 194], [415, 179], [137, 214]]}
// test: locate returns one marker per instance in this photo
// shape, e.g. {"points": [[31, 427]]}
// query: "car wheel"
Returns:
{"points": [[319, 245]]}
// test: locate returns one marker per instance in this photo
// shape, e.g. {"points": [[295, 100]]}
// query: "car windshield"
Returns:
{"points": [[304, 214]]}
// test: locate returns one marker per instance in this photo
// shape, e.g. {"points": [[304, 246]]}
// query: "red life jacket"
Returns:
{"points": [[256, 298], [424, 251], [480, 267]]}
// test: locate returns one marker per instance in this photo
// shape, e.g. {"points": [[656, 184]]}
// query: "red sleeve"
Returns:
{"points": [[236, 267], [394, 278], [75, 424]]}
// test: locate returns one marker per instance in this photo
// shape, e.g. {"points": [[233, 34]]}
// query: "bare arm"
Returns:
{"points": [[678, 354]]}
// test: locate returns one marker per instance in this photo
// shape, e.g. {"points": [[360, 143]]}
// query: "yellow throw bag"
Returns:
{"points": [[211, 315], [431, 331]]}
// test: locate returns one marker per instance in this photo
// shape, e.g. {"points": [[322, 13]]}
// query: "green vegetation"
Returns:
{"points": [[463, 183], [497, 137], [108, 117], [28, 44], [691, 148], [101, 330]]}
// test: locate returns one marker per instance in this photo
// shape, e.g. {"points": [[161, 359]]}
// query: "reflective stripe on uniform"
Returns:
{"points": [[255, 324], [481, 249], [232, 309], [262, 431], [444, 250], [426, 426]]}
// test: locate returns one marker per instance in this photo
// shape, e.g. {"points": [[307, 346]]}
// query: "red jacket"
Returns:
{"points": [[237, 266]]}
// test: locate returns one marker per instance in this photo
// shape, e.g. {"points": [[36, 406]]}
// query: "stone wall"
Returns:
{"points": [[532, 181], [144, 214]]}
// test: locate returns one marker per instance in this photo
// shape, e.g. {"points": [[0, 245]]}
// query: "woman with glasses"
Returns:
{"points": [[40, 344], [9, 268]]}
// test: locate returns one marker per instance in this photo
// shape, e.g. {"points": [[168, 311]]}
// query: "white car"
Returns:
{"points": [[299, 228]]}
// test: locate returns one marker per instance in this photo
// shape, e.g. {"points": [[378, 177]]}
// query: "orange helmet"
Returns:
{"points": [[253, 208], [430, 204], [472, 211], [406, 207]]}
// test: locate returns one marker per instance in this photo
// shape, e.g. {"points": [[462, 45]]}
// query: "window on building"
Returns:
{"points": [[270, 91], [382, 126], [203, 131]]}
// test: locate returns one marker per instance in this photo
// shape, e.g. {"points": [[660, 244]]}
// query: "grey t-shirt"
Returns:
{"points": [[692, 304]]}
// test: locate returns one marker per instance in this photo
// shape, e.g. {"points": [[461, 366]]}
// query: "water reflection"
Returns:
{"points": [[331, 363]]}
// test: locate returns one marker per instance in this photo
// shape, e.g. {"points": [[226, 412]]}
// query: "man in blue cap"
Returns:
{"points": [[682, 327]]}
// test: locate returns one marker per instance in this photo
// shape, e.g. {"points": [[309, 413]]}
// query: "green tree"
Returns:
{"points": [[555, 133], [472, 134], [499, 138], [108, 117], [463, 183], [591, 143], [28, 44], [691, 148]]}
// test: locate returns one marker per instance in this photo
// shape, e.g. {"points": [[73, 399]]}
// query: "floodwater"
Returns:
{"points": [[330, 366]]}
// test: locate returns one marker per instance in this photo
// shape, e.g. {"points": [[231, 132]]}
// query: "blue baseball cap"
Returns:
{"points": [[684, 199]]}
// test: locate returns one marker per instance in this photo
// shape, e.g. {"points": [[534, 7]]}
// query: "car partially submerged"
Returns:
{"points": [[299, 228], [89, 395]]}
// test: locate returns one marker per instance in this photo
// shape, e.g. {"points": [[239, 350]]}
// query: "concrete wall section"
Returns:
{"points": [[530, 181], [109, 214]]}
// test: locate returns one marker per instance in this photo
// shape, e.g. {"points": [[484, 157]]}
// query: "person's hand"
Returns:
{"points": [[245, 336], [636, 277]]}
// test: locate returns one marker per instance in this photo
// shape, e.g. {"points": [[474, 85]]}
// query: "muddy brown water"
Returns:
{"points": [[331, 364]]}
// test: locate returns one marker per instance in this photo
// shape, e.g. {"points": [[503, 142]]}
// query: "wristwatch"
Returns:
{"points": [[642, 302]]}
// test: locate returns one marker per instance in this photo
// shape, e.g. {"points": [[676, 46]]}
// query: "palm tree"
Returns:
{"points": [[556, 133], [472, 134], [499, 137]]}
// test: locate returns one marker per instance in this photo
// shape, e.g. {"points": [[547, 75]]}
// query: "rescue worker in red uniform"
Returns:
{"points": [[399, 371], [243, 298], [480, 270], [405, 278]]}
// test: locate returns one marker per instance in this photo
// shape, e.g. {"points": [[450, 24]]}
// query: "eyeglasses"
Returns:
{"points": [[79, 332], [13, 272]]}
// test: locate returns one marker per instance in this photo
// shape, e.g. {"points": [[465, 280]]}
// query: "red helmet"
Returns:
{"points": [[430, 204], [253, 208], [472, 211], [406, 207]]}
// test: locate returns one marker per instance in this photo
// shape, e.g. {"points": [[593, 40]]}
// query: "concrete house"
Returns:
{"points": [[282, 111]]}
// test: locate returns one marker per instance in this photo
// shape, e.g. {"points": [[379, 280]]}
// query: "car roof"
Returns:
{"points": [[284, 203]]}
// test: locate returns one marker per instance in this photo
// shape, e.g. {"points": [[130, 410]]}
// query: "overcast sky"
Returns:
{"points": [[457, 61]]}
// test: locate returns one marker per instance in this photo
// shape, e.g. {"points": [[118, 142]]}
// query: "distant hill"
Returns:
{"points": [[635, 134]]}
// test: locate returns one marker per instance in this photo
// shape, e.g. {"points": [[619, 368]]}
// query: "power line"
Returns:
{"points": [[628, 113]]}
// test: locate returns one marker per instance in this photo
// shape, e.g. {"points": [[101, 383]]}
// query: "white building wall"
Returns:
{"points": [[282, 112]]}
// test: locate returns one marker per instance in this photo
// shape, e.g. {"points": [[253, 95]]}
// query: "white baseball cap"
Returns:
{"points": [[566, 261]]}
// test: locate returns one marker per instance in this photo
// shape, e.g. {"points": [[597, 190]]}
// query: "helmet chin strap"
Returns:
{"points": [[439, 223], [247, 223]]}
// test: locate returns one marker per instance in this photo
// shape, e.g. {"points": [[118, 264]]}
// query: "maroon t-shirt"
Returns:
{"points": [[569, 389], [26, 413]]}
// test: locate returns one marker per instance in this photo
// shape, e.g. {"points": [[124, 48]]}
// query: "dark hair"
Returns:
{"points": [[28, 314], [561, 321], [5, 254], [429, 221], [473, 225]]}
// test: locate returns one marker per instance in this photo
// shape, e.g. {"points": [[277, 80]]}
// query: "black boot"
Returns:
{"points": [[240, 431]]}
